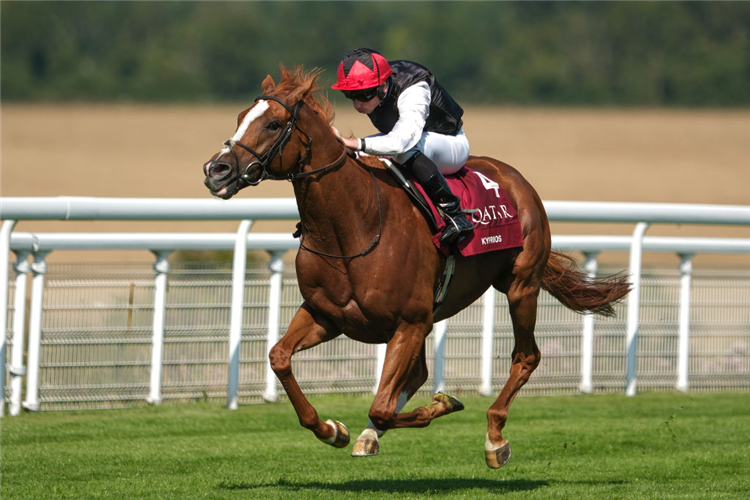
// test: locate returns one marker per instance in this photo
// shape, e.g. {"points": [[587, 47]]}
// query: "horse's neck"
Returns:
{"points": [[339, 208]]}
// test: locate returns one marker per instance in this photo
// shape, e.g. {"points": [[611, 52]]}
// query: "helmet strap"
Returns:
{"points": [[383, 89]]}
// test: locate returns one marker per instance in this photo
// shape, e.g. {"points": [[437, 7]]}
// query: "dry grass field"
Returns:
{"points": [[640, 155]]}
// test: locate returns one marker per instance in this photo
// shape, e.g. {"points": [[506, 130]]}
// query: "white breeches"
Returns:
{"points": [[449, 152]]}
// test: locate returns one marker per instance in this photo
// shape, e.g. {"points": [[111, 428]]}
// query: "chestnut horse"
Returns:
{"points": [[367, 267]]}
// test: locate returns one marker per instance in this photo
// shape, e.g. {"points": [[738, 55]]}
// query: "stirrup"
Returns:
{"points": [[454, 230]]}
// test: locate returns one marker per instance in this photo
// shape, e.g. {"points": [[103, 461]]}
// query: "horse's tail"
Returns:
{"points": [[580, 293]]}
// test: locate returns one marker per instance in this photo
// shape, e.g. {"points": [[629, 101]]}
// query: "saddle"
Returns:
{"points": [[495, 219]]}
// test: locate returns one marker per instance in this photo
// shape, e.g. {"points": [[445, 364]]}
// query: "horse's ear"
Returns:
{"points": [[268, 85]]}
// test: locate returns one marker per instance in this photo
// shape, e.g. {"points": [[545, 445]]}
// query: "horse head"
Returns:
{"points": [[268, 142]]}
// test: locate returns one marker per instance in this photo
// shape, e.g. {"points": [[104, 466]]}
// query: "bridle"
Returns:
{"points": [[265, 159], [277, 148]]}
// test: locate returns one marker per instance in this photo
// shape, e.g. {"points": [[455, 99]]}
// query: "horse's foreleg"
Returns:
{"points": [[367, 444], [306, 330], [404, 362], [440, 405], [522, 301]]}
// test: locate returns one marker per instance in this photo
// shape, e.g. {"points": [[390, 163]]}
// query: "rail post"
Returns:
{"points": [[39, 268], [5, 231], [379, 362], [239, 268], [17, 369], [276, 266], [590, 266], [439, 360], [488, 333], [161, 266], [686, 274], [634, 298]]}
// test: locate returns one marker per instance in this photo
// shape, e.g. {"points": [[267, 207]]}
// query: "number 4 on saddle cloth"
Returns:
{"points": [[488, 207]]}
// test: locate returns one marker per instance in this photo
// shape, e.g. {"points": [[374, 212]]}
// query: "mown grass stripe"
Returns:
{"points": [[655, 445]]}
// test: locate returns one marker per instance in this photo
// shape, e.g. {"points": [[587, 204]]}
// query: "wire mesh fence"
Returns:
{"points": [[97, 328]]}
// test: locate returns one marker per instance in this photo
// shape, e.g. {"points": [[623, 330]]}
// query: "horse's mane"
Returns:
{"points": [[313, 97]]}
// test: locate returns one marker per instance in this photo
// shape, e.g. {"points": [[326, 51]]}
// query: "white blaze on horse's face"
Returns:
{"points": [[256, 112]]}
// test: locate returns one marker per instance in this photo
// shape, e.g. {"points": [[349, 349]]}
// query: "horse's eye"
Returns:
{"points": [[274, 126]]}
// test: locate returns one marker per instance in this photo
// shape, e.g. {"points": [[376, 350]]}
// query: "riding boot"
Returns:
{"points": [[457, 226]]}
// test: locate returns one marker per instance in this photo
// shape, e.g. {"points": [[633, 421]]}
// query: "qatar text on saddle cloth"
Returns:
{"points": [[495, 219]]}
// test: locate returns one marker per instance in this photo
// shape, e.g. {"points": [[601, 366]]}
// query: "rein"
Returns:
{"points": [[372, 244], [277, 147], [337, 163]]}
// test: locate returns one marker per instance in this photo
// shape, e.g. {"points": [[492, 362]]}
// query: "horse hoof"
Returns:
{"points": [[366, 448], [453, 403], [496, 455], [367, 444], [340, 436]]}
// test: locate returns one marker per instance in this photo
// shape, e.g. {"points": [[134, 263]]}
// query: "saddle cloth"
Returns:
{"points": [[495, 219]]}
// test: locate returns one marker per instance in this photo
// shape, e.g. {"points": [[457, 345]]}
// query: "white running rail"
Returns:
{"points": [[76, 208]]}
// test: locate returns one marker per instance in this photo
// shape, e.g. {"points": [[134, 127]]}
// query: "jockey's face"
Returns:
{"points": [[369, 101], [366, 107]]}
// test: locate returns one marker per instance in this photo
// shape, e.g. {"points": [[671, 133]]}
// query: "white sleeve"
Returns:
{"points": [[413, 109]]}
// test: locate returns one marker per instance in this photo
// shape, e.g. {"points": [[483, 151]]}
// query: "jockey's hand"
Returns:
{"points": [[351, 142]]}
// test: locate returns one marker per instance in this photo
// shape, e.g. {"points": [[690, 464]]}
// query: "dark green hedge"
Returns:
{"points": [[553, 53]]}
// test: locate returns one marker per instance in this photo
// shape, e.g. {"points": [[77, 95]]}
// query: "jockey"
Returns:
{"points": [[419, 122]]}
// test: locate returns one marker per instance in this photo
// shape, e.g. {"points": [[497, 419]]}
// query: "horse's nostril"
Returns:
{"points": [[218, 170]]}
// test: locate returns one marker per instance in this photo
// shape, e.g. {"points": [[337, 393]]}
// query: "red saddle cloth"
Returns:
{"points": [[495, 219]]}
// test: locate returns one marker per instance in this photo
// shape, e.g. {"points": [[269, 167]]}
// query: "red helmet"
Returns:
{"points": [[362, 69]]}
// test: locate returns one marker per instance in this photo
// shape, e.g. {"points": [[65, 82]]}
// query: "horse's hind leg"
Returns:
{"points": [[522, 301], [306, 330]]}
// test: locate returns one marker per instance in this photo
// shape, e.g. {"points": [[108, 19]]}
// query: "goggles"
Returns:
{"points": [[365, 95]]}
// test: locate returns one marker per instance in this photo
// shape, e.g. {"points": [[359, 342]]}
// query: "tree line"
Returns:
{"points": [[527, 53]]}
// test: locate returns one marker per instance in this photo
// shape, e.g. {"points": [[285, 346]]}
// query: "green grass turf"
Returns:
{"points": [[654, 445]]}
